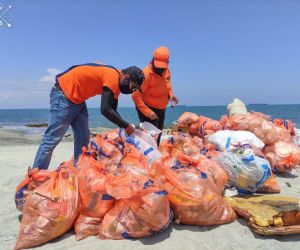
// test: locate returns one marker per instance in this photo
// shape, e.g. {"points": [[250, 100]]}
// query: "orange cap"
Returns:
{"points": [[161, 57]]}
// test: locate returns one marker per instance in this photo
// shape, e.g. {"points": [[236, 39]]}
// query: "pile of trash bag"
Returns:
{"points": [[126, 187], [109, 193]]}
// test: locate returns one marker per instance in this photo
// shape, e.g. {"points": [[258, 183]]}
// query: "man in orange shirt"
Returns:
{"points": [[67, 104], [157, 91]]}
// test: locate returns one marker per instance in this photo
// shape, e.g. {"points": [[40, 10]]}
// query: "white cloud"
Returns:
{"points": [[52, 72]]}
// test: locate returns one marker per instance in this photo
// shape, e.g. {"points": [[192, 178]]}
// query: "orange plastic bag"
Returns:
{"points": [[270, 186], [283, 156], [104, 151], [255, 123], [146, 213], [186, 119], [286, 125], [218, 174], [180, 144], [94, 201], [50, 210], [128, 179], [205, 126], [86, 226], [34, 178], [194, 196]]}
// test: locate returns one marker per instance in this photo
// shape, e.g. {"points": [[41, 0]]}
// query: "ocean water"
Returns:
{"points": [[18, 118]]}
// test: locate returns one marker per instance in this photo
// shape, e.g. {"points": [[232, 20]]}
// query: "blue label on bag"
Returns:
{"points": [[163, 192], [106, 197], [148, 151]]}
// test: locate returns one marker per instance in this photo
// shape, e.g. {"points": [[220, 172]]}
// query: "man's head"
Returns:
{"points": [[160, 60], [132, 79]]}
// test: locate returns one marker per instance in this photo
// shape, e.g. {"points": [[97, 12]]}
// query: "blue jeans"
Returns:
{"points": [[63, 113]]}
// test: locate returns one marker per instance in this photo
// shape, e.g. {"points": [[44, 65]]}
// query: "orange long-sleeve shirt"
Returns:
{"points": [[157, 91]]}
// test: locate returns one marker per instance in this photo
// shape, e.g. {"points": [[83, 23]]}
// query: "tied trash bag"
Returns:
{"points": [[205, 126], [245, 171], [104, 151], [264, 129], [186, 119], [86, 226], [194, 196], [286, 125], [144, 142], [283, 156], [269, 215], [270, 186], [130, 176], [226, 139], [34, 178], [50, 210], [237, 107], [145, 213], [180, 144], [95, 203]]}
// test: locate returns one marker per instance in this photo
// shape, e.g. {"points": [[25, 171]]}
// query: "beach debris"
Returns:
{"points": [[270, 186], [194, 195], [283, 156], [236, 107], [37, 125], [227, 139], [141, 215], [269, 215], [50, 209], [245, 171], [125, 187], [94, 202], [288, 184], [34, 178]]}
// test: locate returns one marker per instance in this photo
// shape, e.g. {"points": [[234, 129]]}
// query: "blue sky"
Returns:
{"points": [[219, 49]]}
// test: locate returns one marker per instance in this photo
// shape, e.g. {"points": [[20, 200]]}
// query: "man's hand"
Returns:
{"points": [[153, 116], [174, 99], [130, 129]]}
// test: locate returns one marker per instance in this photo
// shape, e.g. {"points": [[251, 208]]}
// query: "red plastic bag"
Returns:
{"points": [[283, 156], [50, 210], [146, 213]]}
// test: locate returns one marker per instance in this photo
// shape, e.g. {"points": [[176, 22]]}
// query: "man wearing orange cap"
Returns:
{"points": [[156, 90]]}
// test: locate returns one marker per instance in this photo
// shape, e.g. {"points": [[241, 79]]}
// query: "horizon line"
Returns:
{"points": [[181, 105]]}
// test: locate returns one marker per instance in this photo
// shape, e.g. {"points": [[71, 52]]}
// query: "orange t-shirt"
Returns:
{"points": [[81, 82], [156, 91]]}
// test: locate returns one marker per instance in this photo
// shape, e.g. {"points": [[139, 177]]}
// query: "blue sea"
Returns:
{"points": [[18, 118]]}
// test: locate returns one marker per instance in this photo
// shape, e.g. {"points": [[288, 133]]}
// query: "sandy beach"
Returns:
{"points": [[17, 152]]}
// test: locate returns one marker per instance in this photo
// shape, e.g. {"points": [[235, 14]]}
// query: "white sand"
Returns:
{"points": [[17, 153]]}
